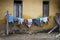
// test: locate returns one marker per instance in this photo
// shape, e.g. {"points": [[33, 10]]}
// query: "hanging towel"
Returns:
{"points": [[45, 19], [29, 23], [10, 18], [20, 20]]}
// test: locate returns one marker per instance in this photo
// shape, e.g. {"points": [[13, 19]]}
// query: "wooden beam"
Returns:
{"points": [[52, 29]]}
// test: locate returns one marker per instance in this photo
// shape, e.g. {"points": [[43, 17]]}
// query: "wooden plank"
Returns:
{"points": [[57, 20], [52, 29]]}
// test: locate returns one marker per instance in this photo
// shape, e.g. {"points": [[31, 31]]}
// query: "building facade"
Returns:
{"points": [[30, 9]]}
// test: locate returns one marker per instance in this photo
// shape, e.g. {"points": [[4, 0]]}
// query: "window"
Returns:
{"points": [[18, 9], [45, 8]]}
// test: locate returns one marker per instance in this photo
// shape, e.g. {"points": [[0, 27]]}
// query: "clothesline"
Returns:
{"points": [[29, 21], [11, 19]]}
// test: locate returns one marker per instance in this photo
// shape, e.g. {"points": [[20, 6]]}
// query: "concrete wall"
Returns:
{"points": [[4, 6], [53, 7], [32, 8]]}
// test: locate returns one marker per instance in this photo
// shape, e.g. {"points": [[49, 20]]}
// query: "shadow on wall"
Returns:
{"points": [[2, 23]]}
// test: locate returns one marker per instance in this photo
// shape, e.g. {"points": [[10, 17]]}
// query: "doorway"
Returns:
{"points": [[18, 9], [45, 8]]}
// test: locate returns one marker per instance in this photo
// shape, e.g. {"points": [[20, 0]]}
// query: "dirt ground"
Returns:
{"points": [[38, 36]]}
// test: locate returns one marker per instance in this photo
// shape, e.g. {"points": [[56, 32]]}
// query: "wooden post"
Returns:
{"points": [[7, 29]]}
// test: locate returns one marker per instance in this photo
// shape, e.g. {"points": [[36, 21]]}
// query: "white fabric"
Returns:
{"points": [[45, 19], [29, 22], [20, 20]]}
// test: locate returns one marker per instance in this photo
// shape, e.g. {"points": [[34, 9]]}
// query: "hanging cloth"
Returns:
{"points": [[36, 21], [45, 19], [20, 20], [10, 18], [29, 22]]}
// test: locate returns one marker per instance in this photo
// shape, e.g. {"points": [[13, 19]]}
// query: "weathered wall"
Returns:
{"points": [[4, 6], [59, 6], [34, 8], [53, 7], [31, 9]]}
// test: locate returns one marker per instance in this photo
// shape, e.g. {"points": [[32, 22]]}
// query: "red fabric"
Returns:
{"points": [[25, 21]]}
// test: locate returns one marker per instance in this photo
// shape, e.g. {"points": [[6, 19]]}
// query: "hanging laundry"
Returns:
{"points": [[41, 19], [45, 19], [29, 23], [11, 24], [25, 21], [20, 20], [36, 21], [10, 18], [15, 18]]}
